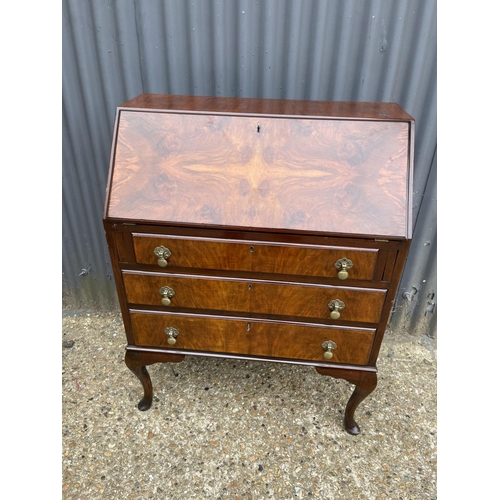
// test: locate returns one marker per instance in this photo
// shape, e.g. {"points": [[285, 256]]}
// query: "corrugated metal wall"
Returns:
{"points": [[351, 50]]}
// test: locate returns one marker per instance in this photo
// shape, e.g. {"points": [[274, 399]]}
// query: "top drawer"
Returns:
{"points": [[255, 256]]}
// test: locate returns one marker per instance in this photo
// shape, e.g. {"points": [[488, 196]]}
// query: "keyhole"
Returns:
{"points": [[258, 128]]}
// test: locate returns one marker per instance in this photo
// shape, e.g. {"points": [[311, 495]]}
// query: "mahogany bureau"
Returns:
{"points": [[270, 230]]}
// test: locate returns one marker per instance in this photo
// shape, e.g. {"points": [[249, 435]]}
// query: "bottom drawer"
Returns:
{"points": [[253, 337]]}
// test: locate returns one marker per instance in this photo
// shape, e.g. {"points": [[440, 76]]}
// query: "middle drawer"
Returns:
{"points": [[254, 296]]}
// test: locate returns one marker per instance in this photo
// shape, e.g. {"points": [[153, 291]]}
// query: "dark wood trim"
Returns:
{"points": [[389, 266], [286, 108], [409, 196], [252, 279], [246, 275], [120, 290], [111, 166], [391, 294], [380, 264], [256, 242], [207, 354], [320, 239], [137, 361], [118, 239], [129, 247], [292, 232], [264, 115], [281, 318], [365, 383], [252, 318]]}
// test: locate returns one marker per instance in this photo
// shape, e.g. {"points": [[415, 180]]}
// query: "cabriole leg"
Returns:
{"points": [[365, 382], [136, 362], [364, 387]]}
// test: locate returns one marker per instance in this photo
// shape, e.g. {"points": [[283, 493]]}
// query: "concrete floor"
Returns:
{"points": [[225, 429]]}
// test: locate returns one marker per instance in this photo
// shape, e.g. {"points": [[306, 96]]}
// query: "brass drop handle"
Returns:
{"points": [[167, 293], [343, 265], [335, 306], [328, 347], [163, 254], [172, 334]]}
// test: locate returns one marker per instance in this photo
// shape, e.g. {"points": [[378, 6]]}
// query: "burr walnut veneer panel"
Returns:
{"points": [[332, 176]]}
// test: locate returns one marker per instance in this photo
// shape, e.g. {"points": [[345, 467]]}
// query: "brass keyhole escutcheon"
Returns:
{"points": [[172, 334], [328, 347], [335, 306], [167, 293], [163, 253], [342, 265]]}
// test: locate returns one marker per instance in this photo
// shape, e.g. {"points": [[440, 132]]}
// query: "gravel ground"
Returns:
{"points": [[225, 429]]}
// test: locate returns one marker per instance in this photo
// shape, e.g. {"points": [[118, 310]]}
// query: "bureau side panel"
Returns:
{"points": [[396, 274], [116, 247]]}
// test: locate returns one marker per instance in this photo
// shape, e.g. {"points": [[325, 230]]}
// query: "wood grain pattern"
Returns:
{"points": [[361, 305], [388, 111], [255, 256], [190, 292], [333, 176], [305, 261], [252, 296], [194, 253], [282, 340]]}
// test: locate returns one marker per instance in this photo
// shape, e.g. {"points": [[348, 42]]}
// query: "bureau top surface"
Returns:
{"points": [[263, 164]]}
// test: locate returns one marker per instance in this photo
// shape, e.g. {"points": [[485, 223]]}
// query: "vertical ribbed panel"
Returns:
{"points": [[351, 50]]}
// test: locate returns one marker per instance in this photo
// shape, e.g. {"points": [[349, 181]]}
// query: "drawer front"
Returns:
{"points": [[203, 253], [195, 293], [308, 301], [313, 261], [251, 337], [312, 301], [197, 253]]}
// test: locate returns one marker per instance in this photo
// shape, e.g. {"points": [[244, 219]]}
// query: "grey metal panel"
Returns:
{"points": [[380, 50]]}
